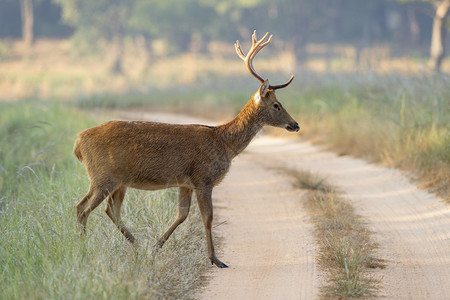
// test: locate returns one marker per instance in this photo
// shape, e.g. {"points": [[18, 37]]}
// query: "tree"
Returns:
{"points": [[26, 13], [437, 50], [174, 20], [93, 20]]}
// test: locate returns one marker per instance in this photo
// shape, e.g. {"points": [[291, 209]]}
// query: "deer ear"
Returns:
{"points": [[262, 92], [257, 98], [264, 88]]}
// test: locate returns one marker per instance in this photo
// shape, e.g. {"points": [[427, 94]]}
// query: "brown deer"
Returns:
{"points": [[152, 156]]}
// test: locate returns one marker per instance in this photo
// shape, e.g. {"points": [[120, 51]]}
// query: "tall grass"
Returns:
{"points": [[214, 98], [396, 121], [41, 254]]}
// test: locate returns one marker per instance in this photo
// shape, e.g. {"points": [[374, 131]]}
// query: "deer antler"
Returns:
{"points": [[257, 45]]}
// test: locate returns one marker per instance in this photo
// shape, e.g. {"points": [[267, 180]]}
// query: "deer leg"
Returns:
{"points": [[184, 204], [114, 204], [93, 198], [80, 208], [204, 198]]}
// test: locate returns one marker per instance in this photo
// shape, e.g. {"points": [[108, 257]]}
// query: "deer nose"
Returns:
{"points": [[293, 127]]}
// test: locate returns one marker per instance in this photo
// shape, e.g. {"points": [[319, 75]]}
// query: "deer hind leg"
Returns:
{"points": [[80, 209], [204, 198], [113, 206], [93, 198], [184, 204]]}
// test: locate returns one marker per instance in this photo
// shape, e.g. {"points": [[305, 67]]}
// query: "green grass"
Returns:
{"points": [[42, 255]]}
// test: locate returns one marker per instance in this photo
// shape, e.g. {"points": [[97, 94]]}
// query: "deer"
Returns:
{"points": [[142, 155]]}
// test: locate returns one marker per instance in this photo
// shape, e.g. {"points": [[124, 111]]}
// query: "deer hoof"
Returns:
{"points": [[218, 263], [159, 244]]}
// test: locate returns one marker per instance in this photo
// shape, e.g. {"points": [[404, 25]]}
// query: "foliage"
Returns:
{"points": [[157, 19], [182, 23], [97, 19]]}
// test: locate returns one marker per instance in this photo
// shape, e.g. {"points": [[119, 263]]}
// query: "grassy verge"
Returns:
{"points": [[397, 121], [346, 250], [41, 253]]}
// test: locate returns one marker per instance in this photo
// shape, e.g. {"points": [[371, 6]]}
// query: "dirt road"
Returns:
{"points": [[411, 226], [267, 239]]}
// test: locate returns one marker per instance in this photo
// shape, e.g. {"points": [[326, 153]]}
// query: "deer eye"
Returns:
{"points": [[276, 106]]}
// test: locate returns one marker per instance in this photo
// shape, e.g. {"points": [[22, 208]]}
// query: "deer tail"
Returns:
{"points": [[77, 150]]}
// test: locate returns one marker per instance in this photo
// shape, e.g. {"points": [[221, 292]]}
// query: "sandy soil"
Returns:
{"points": [[267, 239]]}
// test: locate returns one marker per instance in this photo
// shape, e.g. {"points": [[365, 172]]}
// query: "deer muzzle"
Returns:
{"points": [[293, 127]]}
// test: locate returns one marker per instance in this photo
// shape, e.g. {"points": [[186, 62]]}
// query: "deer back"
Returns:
{"points": [[148, 155]]}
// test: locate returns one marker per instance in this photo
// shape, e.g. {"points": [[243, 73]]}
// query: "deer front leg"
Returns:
{"points": [[184, 203], [204, 198]]}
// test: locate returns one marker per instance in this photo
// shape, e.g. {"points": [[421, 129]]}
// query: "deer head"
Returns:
{"points": [[268, 107]]}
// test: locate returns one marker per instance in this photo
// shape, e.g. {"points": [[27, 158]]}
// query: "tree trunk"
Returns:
{"points": [[117, 67], [26, 10], [414, 28], [437, 36]]}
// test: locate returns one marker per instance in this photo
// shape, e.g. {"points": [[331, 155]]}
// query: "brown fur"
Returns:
{"points": [[148, 155], [151, 156]]}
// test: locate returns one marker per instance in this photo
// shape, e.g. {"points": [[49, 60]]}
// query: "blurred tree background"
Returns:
{"points": [[189, 25]]}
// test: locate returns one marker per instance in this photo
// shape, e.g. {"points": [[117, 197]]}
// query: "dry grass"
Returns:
{"points": [[396, 121], [346, 250], [63, 69], [54, 69]]}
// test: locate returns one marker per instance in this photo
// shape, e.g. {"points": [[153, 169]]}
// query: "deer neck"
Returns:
{"points": [[239, 132]]}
